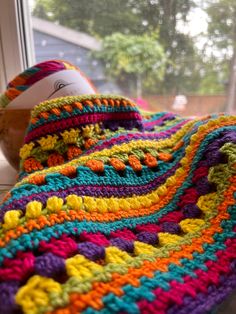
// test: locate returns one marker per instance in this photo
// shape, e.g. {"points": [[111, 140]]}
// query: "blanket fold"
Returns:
{"points": [[120, 211]]}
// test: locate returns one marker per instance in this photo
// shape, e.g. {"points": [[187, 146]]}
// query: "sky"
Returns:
{"points": [[197, 23], [196, 27]]}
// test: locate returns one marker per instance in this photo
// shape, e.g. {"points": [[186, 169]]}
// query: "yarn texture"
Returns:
{"points": [[32, 75], [120, 211]]}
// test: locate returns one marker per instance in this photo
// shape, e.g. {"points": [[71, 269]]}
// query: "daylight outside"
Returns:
{"points": [[113, 207], [169, 55]]}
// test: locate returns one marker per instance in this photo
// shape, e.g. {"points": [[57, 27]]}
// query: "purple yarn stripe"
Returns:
{"points": [[206, 302], [137, 136], [49, 265], [168, 116], [110, 190], [75, 121], [8, 291], [229, 136], [90, 190]]}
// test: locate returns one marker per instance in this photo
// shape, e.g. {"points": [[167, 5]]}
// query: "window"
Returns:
{"points": [[176, 56], [16, 51]]}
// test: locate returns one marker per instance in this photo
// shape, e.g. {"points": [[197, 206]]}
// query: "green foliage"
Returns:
{"points": [[133, 54], [222, 38], [222, 25], [132, 17], [104, 17], [214, 78], [183, 74], [139, 55], [187, 70]]}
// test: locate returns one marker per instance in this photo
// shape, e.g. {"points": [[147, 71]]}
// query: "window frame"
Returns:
{"points": [[16, 40]]}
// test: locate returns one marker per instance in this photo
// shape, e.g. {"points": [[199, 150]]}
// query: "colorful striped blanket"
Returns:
{"points": [[120, 211]]}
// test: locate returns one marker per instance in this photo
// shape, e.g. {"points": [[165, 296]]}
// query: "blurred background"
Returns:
{"points": [[166, 54]]}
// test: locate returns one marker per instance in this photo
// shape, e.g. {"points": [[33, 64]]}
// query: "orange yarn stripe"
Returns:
{"points": [[62, 216], [93, 298]]}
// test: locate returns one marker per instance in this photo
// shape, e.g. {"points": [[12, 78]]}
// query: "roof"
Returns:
{"points": [[78, 38], [54, 41]]}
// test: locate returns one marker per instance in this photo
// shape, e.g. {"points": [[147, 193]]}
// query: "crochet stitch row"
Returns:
{"points": [[30, 76], [135, 212]]}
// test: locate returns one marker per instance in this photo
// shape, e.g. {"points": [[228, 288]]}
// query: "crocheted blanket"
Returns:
{"points": [[120, 211]]}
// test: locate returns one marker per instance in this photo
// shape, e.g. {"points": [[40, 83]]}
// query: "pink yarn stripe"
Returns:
{"points": [[97, 238], [76, 121], [18, 268], [134, 136], [158, 121], [191, 285]]}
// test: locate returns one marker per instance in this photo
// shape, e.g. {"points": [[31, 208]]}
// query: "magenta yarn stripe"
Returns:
{"points": [[204, 302], [135, 136], [52, 127], [38, 72], [164, 298], [45, 69], [158, 121]]}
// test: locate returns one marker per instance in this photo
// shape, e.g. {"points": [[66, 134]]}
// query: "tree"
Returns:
{"points": [[138, 55], [222, 35], [214, 75], [135, 17]]}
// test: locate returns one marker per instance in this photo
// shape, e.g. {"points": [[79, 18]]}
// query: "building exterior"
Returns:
{"points": [[54, 41]]}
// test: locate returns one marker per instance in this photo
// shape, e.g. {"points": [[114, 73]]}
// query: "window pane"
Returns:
{"points": [[167, 55]]}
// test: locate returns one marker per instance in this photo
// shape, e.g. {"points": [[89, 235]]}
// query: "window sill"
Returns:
{"points": [[8, 176]]}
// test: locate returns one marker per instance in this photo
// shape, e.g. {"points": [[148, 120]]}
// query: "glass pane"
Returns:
{"points": [[168, 55]]}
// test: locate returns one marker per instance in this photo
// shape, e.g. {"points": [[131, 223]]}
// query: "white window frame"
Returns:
{"points": [[16, 40]]}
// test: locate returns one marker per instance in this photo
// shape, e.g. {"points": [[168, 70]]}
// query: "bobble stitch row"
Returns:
{"points": [[35, 293], [149, 160], [12, 219], [88, 138], [149, 146], [82, 269], [57, 108], [55, 204]]}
